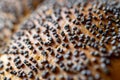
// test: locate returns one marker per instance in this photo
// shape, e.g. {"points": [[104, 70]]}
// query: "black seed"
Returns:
{"points": [[44, 53], [54, 69], [66, 27], [45, 74], [40, 47], [30, 74], [76, 53]]}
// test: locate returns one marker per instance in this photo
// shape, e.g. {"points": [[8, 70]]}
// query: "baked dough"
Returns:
{"points": [[73, 41]]}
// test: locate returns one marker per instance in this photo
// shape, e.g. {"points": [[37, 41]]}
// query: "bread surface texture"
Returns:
{"points": [[66, 40]]}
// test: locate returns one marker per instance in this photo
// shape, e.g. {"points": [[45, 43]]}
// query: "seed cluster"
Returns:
{"points": [[10, 15], [73, 42]]}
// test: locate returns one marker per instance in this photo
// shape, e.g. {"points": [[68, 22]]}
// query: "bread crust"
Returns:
{"points": [[66, 41]]}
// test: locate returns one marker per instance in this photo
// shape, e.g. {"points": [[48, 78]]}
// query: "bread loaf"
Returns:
{"points": [[66, 40]]}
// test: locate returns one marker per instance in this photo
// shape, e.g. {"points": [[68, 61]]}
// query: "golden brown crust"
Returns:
{"points": [[77, 42], [65, 42]]}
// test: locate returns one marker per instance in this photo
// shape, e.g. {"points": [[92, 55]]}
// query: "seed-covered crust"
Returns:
{"points": [[11, 13], [75, 41]]}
